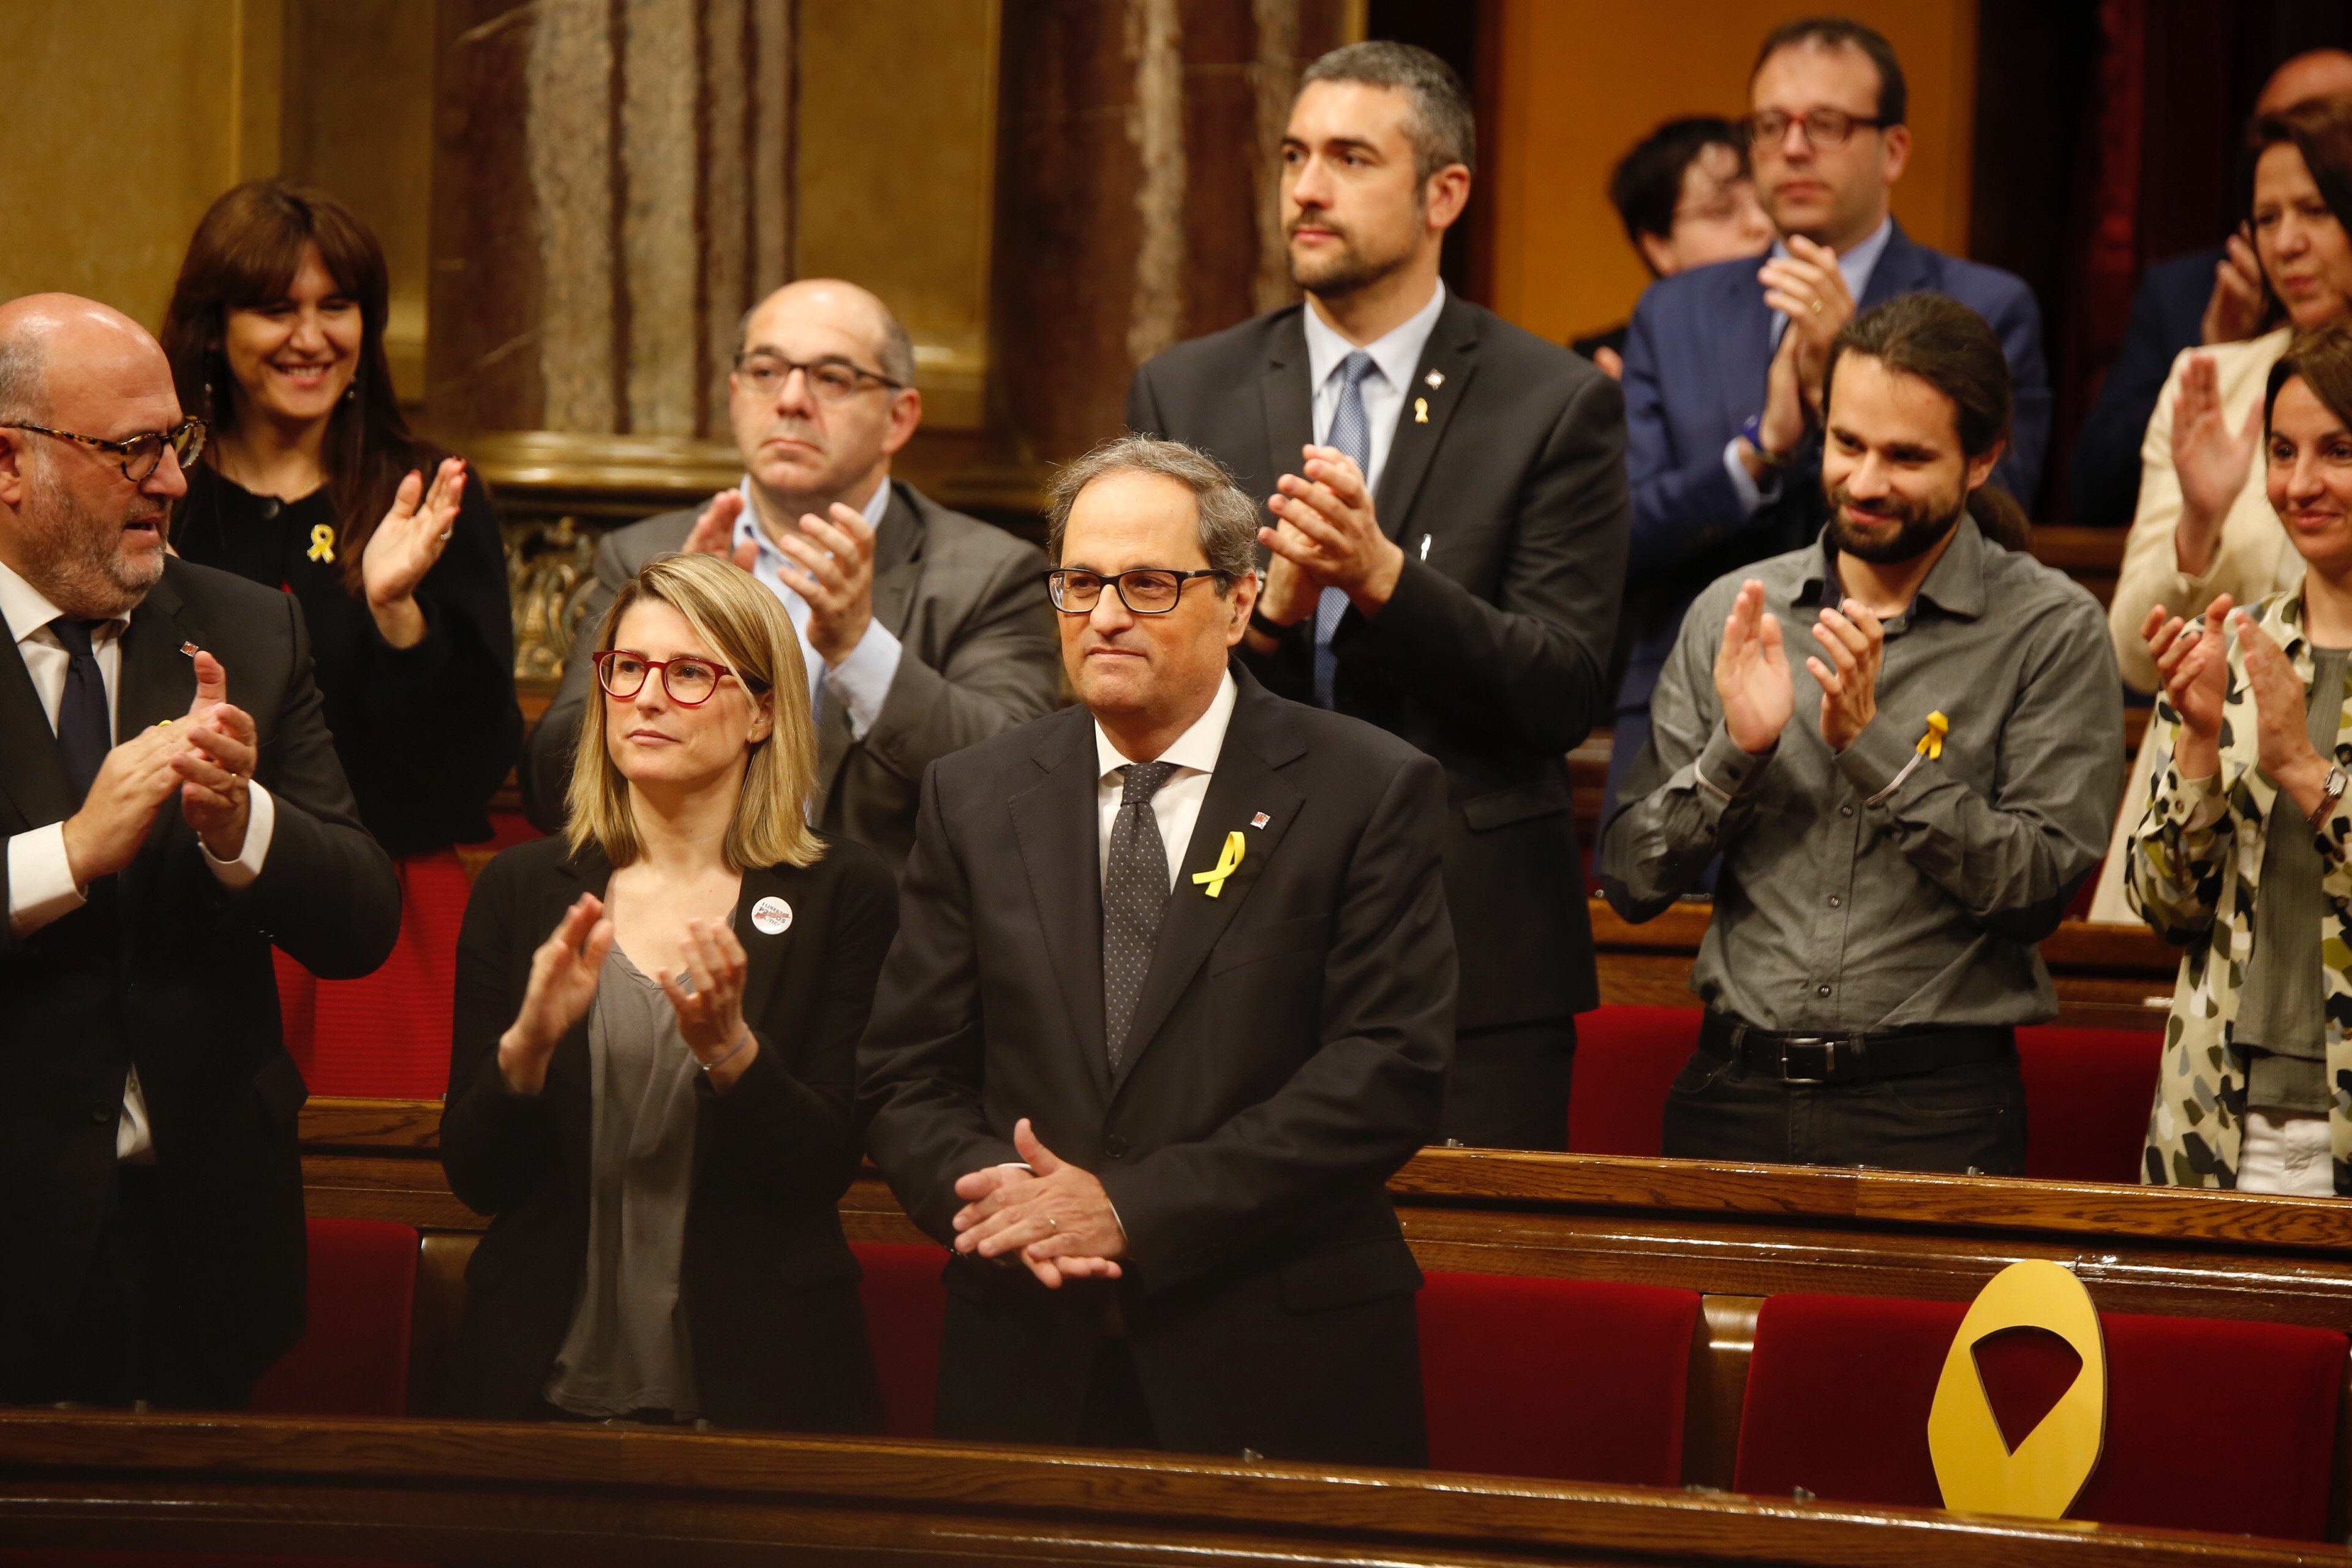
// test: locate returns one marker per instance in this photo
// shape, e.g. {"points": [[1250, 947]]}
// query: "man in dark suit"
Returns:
{"points": [[1723, 365], [2212, 296], [1153, 1111], [151, 1190], [1447, 564], [923, 629]]}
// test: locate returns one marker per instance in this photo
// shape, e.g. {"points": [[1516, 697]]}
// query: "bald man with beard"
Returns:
{"points": [[172, 806], [924, 630]]}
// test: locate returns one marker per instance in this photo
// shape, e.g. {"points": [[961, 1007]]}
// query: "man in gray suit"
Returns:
{"points": [[924, 630]]}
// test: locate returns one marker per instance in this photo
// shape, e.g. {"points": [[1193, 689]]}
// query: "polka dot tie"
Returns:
{"points": [[1135, 895]]}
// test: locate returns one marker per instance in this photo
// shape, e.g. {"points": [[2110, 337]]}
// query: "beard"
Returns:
{"points": [[74, 553], [1350, 271], [1922, 525]]}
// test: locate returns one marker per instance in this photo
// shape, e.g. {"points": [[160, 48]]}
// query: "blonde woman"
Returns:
{"points": [[654, 1102]]}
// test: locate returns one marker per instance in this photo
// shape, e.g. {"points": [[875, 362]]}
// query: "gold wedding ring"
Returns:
{"points": [[1055, 1223], [1817, 306]]}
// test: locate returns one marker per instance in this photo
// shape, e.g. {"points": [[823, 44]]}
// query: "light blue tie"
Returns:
{"points": [[1351, 432]]}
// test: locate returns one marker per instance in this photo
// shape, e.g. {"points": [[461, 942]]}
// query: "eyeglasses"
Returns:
{"points": [[1146, 590], [688, 682], [830, 380], [140, 454], [1823, 127]]}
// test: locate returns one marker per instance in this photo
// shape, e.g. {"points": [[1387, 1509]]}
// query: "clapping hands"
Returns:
{"points": [[404, 546]]}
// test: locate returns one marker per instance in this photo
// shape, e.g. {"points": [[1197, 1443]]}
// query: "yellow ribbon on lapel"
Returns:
{"points": [[322, 543], [1231, 858], [1931, 745]]}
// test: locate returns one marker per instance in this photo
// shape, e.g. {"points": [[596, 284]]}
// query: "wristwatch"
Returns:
{"points": [[2329, 793], [1258, 622], [1753, 434]]}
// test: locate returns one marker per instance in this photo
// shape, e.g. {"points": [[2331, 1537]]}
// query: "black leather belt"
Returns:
{"points": [[1850, 1059]]}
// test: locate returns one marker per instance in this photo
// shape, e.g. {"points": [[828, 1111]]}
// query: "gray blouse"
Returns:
{"points": [[627, 1349]]}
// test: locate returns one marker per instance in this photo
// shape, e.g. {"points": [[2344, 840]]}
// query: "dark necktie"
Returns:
{"points": [[84, 730], [1351, 432], [1135, 895]]}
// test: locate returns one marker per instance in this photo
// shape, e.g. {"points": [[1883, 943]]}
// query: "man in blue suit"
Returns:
{"points": [[1724, 364]]}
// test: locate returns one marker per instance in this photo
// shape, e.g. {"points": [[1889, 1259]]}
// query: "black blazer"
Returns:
{"points": [[1289, 1053], [426, 734], [166, 968], [769, 1285], [1493, 656], [2168, 315]]}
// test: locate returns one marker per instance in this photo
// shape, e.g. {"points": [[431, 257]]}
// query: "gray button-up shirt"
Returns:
{"points": [[1848, 903]]}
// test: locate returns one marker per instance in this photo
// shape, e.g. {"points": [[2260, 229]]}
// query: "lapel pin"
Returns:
{"points": [[322, 543], [1260, 820], [772, 917], [190, 650], [1230, 857], [1436, 378], [1421, 410]]}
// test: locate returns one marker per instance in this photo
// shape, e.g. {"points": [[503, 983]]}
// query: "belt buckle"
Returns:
{"points": [[1827, 1044]]}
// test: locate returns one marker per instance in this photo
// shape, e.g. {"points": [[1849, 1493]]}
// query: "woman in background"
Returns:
{"points": [[310, 481], [653, 1102]]}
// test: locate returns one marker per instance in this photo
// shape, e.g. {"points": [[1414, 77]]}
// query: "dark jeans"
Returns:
{"points": [[1508, 1089], [1955, 1118], [128, 1337]]}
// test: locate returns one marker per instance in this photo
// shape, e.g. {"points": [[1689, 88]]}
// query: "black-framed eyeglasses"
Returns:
{"points": [[1146, 590], [830, 380], [1823, 127], [689, 682], [141, 455]]}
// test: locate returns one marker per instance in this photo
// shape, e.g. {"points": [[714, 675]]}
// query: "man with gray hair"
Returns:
{"points": [[1171, 999], [1446, 546], [923, 629]]}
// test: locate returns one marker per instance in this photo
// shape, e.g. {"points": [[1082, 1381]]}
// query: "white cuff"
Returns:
{"points": [[862, 678], [40, 879], [1743, 483], [261, 819]]}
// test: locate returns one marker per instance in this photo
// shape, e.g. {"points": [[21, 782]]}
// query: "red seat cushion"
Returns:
{"points": [[353, 1357], [1626, 1059], [2087, 1093], [905, 1306], [1567, 1379], [1839, 1391]]}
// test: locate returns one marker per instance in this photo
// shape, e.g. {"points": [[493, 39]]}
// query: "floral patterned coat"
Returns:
{"points": [[2194, 873]]}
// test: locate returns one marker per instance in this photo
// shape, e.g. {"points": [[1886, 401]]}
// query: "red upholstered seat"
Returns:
{"points": [[1839, 1391], [2087, 1093], [1626, 1059], [905, 1306], [353, 1358], [1566, 1379]]}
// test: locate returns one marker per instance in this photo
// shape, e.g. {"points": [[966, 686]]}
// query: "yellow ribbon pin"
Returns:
{"points": [[322, 543], [1931, 745], [1231, 858], [1421, 410]]}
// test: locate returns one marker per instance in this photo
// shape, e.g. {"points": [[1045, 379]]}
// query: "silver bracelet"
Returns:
{"points": [[730, 1056]]}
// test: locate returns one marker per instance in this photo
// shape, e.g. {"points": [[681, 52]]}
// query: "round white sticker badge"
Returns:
{"points": [[772, 917]]}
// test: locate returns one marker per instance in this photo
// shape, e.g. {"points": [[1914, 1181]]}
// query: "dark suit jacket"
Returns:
{"points": [[1695, 371], [1289, 1053], [1493, 654], [2168, 315], [768, 1283], [965, 598], [166, 968]]}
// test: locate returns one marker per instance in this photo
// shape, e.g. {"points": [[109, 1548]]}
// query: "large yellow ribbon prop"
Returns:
{"points": [[322, 543], [1975, 1467], [1931, 745], [1215, 875]]}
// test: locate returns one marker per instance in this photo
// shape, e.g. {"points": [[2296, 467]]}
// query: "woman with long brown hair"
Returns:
{"points": [[311, 481]]}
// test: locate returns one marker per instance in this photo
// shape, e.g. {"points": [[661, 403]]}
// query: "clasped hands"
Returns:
{"points": [[831, 566], [206, 758], [1329, 537], [1053, 1214], [1807, 286], [2192, 659], [706, 990], [1753, 683]]}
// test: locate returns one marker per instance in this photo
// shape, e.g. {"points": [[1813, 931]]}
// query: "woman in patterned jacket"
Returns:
{"points": [[2245, 853]]}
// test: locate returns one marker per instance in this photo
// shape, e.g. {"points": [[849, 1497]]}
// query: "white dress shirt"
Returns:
{"points": [[862, 678], [1177, 805], [41, 886], [1397, 355], [1856, 267]]}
